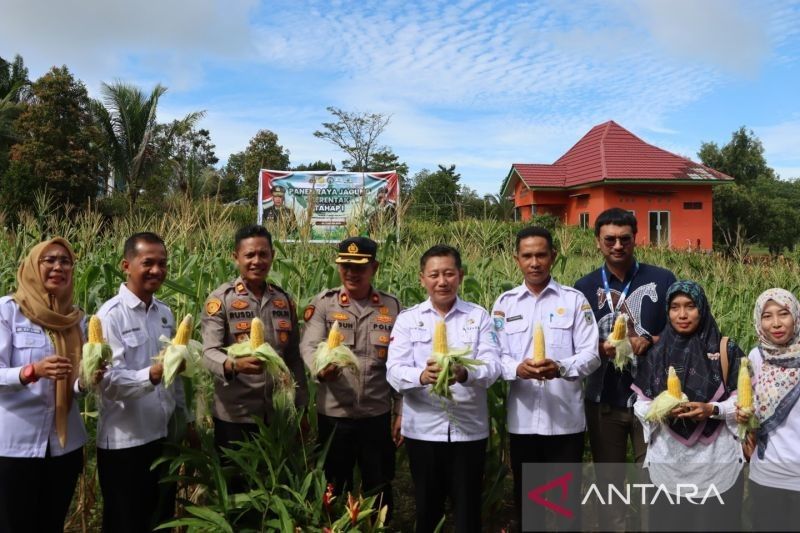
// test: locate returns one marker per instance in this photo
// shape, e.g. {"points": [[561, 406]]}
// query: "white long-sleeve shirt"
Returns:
{"points": [[133, 411], [553, 407], [27, 412], [780, 467], [429, 417]]}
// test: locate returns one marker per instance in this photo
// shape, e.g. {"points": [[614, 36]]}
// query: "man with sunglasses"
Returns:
{"points": [[620, 285], [360, 411]]}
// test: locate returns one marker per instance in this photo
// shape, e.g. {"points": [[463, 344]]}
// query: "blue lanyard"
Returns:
{"points": [[625, 289]]}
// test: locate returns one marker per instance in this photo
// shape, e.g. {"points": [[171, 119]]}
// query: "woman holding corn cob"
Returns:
{"points": [[775, 465], [442, 358], [41, 430], [697, 441], [137, 409]]}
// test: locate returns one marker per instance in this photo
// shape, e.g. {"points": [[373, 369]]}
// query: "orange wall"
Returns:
{"points": [[686, 225]]}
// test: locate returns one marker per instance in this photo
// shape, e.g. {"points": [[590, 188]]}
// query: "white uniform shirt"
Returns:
{"points": [[429, 417], [133, 411], [553, 407], [780, 467], [27, 412]]}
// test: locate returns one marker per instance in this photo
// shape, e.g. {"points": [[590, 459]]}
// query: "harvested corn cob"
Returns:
{"points": [[181, 348], [256, 346], [95, 352], [668, 400], [538, 343], [621, 343], [744, 391], [333, 352], [447, 359]]}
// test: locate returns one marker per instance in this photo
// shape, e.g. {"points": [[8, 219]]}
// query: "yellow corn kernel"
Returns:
{"points": [[184, 332], [440, 337], [95, 330], [256, 333], [674, 384], [334, 337], [538, 343], [744, 386], [619, 328]]}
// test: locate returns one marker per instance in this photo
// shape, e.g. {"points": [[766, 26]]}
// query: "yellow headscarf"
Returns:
{"points": [[59, 316]]}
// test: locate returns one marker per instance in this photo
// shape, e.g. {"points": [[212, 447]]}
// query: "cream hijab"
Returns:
{"points": [[58, 316]]}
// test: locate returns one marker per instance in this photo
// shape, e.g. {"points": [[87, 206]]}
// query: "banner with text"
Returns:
{"points": [[327, 206]]}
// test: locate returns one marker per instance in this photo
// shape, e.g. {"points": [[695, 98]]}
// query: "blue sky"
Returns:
{"points": [[478, 84]]}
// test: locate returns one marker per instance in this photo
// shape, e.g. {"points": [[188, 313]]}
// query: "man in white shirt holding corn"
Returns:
{"points": [[136, 409], [545, 411]]}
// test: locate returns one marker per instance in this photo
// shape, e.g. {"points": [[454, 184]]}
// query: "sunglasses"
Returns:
{"points": [[624, 240]]}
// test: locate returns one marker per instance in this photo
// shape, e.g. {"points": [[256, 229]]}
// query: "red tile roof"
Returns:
{"points": [[610, 152]]}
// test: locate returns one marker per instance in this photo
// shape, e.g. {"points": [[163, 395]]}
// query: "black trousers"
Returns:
{"points": [[366, 442], [442, 469], [543, 449], [133, 499], [774, 509], [35, 493]]}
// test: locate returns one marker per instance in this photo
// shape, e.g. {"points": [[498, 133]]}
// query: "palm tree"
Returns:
{"points": [[128, 119]]}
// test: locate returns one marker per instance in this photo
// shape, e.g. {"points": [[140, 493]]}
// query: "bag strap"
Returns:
{"points": [[723, 359]]}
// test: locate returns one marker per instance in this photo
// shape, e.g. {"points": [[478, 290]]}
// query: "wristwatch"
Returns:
{"points": [[29, 374], [715, 410], [562, 370]]}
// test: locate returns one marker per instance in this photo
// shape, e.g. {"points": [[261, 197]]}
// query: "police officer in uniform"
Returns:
{"points": [[359, 407], [279, 213], [242, 390]]}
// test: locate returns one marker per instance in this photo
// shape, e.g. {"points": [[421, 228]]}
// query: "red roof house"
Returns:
{"points": [[611, 167]]}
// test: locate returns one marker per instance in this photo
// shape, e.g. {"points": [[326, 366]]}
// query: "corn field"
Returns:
{"points": [[199, 237]]}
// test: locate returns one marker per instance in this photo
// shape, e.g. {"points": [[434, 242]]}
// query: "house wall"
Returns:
{"points": [[688, 228]]}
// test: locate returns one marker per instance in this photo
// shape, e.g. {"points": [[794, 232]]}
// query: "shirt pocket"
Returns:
{"points": [[421, 344], [28, 348], [560, 332], [379, 342], [518, 333], [134, 339]]}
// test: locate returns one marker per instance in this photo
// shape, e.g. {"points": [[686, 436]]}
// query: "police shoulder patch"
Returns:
{"points": [[308, 313], [213, 305]]}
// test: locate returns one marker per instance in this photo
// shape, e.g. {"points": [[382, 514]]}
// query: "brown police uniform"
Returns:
{"points": [[367, 334], [226, 320], [355, 410]]}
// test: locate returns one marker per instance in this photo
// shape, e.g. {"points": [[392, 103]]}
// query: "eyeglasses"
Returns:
{"points": [[624, 240], [52, 260]]}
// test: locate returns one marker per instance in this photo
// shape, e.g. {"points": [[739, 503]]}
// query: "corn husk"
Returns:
{"points": [[447, 358], [175, 352], [283, 391], [744, 389], [94, 354], [338, 355], [668, 400], [624, 350]]}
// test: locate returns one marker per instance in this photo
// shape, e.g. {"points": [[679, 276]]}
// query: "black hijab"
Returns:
{"points": [[696, 360]]}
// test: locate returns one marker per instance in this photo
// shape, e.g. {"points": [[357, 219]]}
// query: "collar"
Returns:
{"points": [[459, 305], [374, 297], [628, 273], [133, 301], [521, 291], [240, 287]]}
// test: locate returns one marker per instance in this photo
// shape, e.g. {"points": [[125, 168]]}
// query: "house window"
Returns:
{"points": [[659, 228], [693, 205], [583, 220]]}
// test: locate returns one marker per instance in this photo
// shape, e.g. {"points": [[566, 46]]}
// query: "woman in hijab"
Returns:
{"points": [[41, 431], [775, 465], [697, 445]]}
